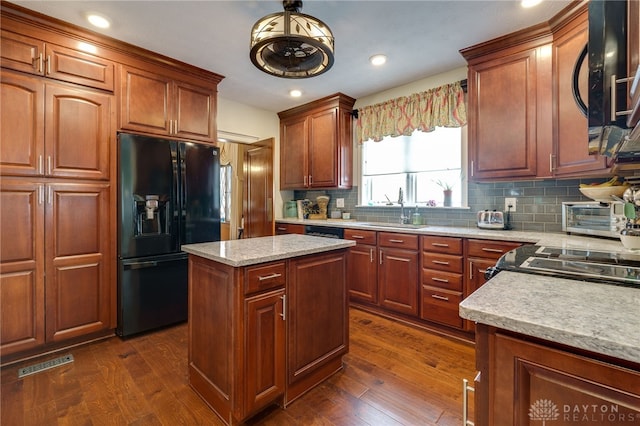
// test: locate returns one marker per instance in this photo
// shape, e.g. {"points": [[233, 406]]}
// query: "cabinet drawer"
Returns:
{"points": [[263, 277], [362, 237], [289, 228], [437, 244], [405, 241], [442, 262], [440, 279], [441, 306], [489, 249]]}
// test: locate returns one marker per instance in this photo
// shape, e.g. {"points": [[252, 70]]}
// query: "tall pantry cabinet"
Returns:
{"points": [[55, 276]]}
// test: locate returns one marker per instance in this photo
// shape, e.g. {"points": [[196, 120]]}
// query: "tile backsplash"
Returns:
{"points": [[539, 204]]}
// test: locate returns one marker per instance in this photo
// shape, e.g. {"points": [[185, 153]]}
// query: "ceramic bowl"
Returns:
{"points": [[603, 194]]}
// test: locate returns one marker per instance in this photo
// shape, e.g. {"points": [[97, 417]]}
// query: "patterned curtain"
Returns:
{"points": [[442, 106]]}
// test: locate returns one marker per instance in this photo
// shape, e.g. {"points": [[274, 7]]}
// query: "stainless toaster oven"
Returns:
{"points": [[593, 218]]}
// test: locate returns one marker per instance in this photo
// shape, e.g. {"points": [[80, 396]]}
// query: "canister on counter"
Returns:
{"points": [[290, 209]]}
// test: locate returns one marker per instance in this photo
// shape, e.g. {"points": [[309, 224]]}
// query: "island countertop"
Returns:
{"points": [[252, 251], [600, 318]]}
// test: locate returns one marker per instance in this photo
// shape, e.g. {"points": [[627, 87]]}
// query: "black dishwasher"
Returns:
{"points": [[324, 231]]}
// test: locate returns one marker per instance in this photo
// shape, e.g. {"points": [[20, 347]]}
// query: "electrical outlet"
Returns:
{"points": [[339, 202], [510, 202]]}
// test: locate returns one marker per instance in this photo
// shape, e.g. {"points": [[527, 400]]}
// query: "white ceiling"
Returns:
{"points": [[420, 38]]}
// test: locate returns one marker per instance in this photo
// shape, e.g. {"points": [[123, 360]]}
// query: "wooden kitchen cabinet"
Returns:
{"points": [[362, 266], [153, 102], [54, 130], [523, 120], [480, 255], [316, 144], [278, 329], [318, 320], [522, 376], [570, 153], [442, 280], [56, 275], [398, 272], [289, 228], [27, 54]]}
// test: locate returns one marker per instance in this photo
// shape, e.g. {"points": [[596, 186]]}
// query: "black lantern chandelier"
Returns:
{"points": [[291, 44]]}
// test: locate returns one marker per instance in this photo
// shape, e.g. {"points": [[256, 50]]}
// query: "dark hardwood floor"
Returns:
{"points": [[393, 375]]}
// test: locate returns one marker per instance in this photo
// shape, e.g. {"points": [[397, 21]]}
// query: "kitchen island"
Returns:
{"points": [[572, 346], [268, 320]]}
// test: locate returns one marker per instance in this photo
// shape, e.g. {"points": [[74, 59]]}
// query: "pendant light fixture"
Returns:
{"points": [[291, 44]]}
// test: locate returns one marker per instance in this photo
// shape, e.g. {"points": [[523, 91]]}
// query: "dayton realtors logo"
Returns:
{"points": [[546, 410], [543, 409]]}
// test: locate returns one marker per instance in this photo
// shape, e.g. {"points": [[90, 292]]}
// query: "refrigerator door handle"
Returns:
{"points": [[140, 265]]}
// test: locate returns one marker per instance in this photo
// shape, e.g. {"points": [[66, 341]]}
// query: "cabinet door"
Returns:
{"points": [[318, 329], [570, 151], [502, 122], [145, 102], [265, 337], [323, 149], [77, 132], [21, 125], [293, 154], [78, 260], [21, 266], [362, 273], [21, 53], [398, 280], [530, 382], [78, 67], [195, 112]]}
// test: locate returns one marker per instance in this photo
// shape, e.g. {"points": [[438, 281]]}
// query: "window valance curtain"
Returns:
{"points": [[442, 106]]}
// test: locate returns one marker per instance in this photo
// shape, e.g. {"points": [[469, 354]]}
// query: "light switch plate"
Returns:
{"points": [[339, 202]]}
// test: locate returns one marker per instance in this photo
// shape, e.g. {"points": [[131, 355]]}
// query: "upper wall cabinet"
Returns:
{"points": [[523, 120], [316, 144], [22, 53], [569, 153], [153, 102]]}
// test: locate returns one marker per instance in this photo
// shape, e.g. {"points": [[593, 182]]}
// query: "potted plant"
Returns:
{"points": [[447, 190]]}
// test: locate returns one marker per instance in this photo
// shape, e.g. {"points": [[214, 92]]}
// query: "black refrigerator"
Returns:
{"points": [[169, 195]]}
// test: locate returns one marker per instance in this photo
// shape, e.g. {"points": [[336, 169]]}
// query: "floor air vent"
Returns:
{"points": [[46, 365]]}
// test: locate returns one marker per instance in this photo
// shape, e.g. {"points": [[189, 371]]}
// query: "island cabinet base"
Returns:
{"points": [[265, 334], [526, 381]]}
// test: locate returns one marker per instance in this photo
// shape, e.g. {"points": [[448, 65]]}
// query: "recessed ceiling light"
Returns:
{"points": [[98, 20], [530, 3], [295, 93], [378, 60]]}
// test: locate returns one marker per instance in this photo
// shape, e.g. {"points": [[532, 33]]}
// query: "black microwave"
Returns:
{"points": [[606, 53]]}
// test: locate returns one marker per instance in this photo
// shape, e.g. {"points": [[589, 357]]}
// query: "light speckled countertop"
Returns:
{"points": [[597, 317], [252, 251]]}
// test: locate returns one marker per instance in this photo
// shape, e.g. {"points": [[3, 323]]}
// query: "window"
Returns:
{"points": [[415, 163], [225, 193]]}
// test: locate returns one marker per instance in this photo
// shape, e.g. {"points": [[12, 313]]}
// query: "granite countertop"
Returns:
{"points": [[597, 317], [560, 240], [252, 251]]}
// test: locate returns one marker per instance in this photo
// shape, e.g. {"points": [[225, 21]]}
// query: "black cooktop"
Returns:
{"points": [[583, 265]]}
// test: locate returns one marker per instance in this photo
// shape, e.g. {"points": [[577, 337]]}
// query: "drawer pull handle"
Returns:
{"points": [[465, 402], [282, 228], [284, 307], [396, 241], [440, 262], [440, 280], [357, 237], [370, 255], [490, 250], [268, 277], [440, 245], [436, 296]]}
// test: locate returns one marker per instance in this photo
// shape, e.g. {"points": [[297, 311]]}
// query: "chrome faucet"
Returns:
{"points": [[403, 219]]}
